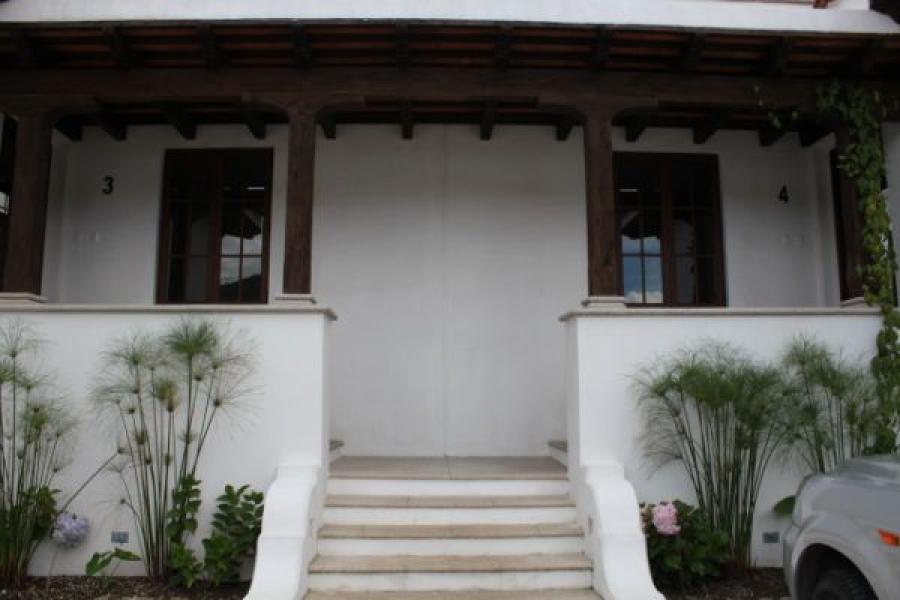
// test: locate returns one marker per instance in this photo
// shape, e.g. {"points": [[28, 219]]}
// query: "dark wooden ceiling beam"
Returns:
{"points": [[710, 125], [600, 51], [119, 47], [778, 58], [215, 57], [254, 122], [178, 118], [402, 43], [406, 121], [769, 135], [488, 120], [504, 48], [864, 63], [301, 47], [71, 127], [27, 52], [691, 55], [329, 125], [112, 124]]}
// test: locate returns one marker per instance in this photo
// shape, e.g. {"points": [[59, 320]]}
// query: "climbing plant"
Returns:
{"points": [[862, 110]]}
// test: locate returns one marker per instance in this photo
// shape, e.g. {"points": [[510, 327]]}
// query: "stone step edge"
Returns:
{"points": [[337, 531], [485, 477], [520, 563], [550, 594], [444, 502]]}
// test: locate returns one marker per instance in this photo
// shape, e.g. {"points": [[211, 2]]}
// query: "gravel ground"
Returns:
{"points": [[115, 588], [755, 584]]}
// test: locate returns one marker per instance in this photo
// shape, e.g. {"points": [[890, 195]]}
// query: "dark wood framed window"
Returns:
{"points": [[214, 228], [669, 221], [7, 164]]}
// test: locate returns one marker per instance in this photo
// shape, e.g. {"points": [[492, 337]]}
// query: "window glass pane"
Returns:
{"points": [[685, 275], [178, 227], [175, 291], [200, 228], [631, 232], [683, 232], [653, 284], [231, 229], [632, 279], [229, 278], [254, 221], [195, 280], [706, 279], [652, 231], [251, 279]]}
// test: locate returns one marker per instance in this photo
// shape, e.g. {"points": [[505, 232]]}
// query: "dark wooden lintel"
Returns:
{"points": [[215, 58], [27, 52], [71, 127], [864, 64], [406, 121], [691, 55], [402, 46], [488, 118], [708, 128], [113, 125], [119, 48], [769, 135], [179, 119]]}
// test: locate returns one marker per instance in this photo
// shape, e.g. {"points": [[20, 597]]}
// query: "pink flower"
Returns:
{"points": [[665, 519]]}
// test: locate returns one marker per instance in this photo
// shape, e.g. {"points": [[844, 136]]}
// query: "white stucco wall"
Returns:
{"points": [[608, 351], [788, 15], [281, 421], [447, 258]]}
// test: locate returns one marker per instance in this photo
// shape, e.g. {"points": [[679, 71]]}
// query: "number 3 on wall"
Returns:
{"points": [[108, 185]]}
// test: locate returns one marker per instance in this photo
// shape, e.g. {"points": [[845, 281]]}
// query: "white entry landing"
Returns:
{"points": [[435, 528]]}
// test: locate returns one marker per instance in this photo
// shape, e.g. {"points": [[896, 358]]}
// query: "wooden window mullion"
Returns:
{"points": [[667, 243]]}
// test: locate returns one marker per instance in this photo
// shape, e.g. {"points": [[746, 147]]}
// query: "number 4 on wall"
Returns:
{"points": [[783, 194]]}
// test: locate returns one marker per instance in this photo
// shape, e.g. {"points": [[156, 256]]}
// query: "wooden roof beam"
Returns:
{"points": [[708, 128], [863, 63], [504, 48], [778, 58], [302, 50], [634, 128], [691, 54], [179, 119], [600, 52], [329, 125], [406, 121], [119, 48], [215, 58], [402, 46], [488, 119], [114, 126], [810, 133], [27, 52]]}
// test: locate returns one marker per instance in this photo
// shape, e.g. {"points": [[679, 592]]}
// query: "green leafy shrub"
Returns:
{"points": [[164, 394], [718, 413], [683, 549], [236, 527]]}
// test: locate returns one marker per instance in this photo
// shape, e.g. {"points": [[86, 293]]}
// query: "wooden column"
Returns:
{"points": [[28, 204], [850, 226], [603, 251], [298, 219]]}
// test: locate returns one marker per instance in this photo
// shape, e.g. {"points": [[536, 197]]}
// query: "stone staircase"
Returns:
{"points": [[421, 533]]}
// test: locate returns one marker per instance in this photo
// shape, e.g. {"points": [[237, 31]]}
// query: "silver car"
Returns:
{"points": [[844, 539]]}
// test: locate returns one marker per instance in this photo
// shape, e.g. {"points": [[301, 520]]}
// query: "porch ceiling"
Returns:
{"points": [[422, 45]]}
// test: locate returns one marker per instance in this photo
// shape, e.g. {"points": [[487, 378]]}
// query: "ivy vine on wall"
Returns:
{"points": [[862, 110]]}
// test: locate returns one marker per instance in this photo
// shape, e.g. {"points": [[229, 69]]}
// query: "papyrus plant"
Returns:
{"points": [[34, 429], [718, 413], [163, 395]]}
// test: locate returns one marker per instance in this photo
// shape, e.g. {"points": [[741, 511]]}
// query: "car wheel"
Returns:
{"points": [[842, 584]]}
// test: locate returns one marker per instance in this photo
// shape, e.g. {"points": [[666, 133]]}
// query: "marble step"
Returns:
{"points": [[444, 487], [369, 501], [464, 595], [521, 530], [450, 573]]}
